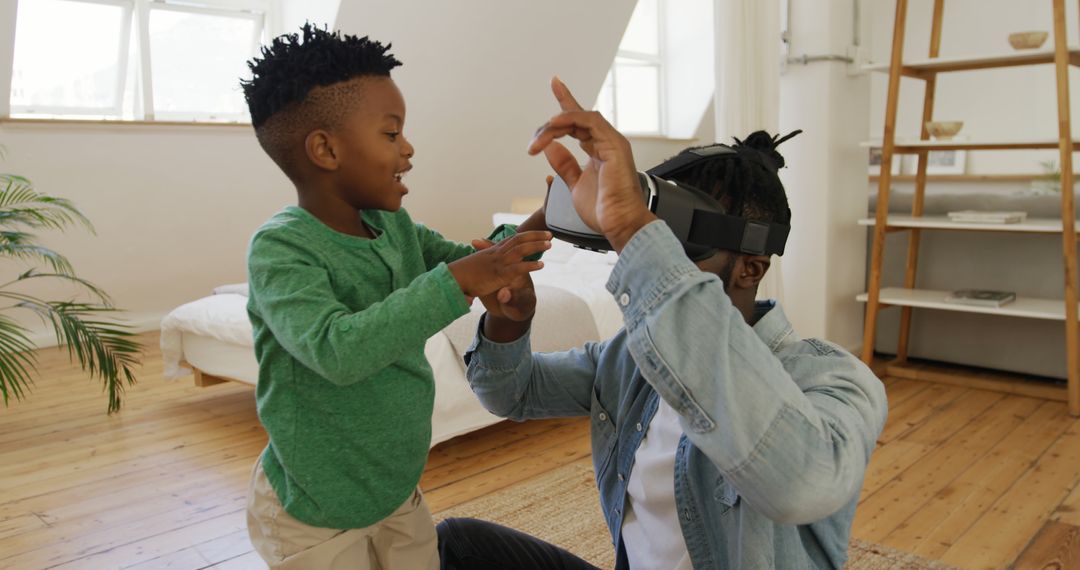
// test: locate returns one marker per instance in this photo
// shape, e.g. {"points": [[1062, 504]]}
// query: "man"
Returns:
{"points": [[720, 439]]}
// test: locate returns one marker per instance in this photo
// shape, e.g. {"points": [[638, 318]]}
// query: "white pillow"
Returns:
{"points": [[232, 288], [500, 218]]}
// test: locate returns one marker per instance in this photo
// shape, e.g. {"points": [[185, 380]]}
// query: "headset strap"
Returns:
{"points": [[737, 234], [688, 157]]}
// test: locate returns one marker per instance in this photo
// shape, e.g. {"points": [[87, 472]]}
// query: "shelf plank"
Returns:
{"points": [[928, 67], [968, 177], [1024, 307], [902, 146], [1031, 225]]}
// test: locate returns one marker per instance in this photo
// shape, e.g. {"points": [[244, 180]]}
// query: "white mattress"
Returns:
{"points": [[220, 358], [208, 335]]}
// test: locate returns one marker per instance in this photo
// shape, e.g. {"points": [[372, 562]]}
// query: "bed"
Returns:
{"points": [[210, 338]]}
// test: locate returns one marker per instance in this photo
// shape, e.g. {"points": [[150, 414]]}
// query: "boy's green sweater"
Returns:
{"points": [[344, 390]]}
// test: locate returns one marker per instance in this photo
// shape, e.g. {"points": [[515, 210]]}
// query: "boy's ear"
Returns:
{"points": [[319, 145]]}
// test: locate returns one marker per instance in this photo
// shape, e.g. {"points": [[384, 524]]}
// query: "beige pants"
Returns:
{"points": [[405, 540]]}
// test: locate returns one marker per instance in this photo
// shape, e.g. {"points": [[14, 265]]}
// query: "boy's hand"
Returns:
{"points": [[515, 302], [509, 310], [493, 268]]}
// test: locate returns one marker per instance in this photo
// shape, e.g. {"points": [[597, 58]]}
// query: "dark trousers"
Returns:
{"points": [[471, 544]]}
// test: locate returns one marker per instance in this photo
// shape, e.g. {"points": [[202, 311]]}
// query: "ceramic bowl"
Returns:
{"points": [[944, 130], [1027, 40]]}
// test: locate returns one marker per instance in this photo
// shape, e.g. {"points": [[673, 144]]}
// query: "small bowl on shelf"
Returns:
{"points": [[944, 130], [1027, 40]]}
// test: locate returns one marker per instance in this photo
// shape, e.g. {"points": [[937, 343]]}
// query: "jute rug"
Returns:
{"points": [[562, 507]]}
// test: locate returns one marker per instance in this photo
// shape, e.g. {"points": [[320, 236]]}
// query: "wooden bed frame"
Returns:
{"points": [[203, 379]]}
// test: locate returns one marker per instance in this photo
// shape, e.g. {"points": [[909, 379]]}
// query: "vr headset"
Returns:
{"points": [[698, 220]]}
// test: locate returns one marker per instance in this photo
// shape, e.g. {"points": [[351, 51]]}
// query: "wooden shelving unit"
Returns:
{"points": [[966, 177], [1025, 307], [929, 67], [898, 223], [902, 146], [908, 297]]}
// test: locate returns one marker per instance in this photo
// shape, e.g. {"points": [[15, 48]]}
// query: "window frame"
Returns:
{"points": [[136, 24], [121, 72], [146, 56], [644, 60]]}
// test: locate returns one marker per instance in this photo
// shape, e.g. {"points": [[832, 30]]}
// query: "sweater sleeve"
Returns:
{"points": [[436, 249], [295, 299]]}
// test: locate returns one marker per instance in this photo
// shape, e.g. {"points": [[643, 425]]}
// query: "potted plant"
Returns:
{"points": [[1050, 181], [103, 348]]}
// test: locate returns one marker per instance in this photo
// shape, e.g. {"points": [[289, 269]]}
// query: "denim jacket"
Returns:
{"points": [[777, 430]]}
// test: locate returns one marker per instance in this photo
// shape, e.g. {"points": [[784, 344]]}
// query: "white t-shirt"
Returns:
{"points": [[651, 532]]}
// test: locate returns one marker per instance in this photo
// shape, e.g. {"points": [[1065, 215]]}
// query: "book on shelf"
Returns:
{"points": [[987, 217], [981, 297]]}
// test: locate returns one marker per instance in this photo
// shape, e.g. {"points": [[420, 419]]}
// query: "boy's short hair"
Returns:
{"points": [[297, 86], [747, 185]]}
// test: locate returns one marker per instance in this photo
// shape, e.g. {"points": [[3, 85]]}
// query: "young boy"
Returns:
{"points": [[344, 291]]}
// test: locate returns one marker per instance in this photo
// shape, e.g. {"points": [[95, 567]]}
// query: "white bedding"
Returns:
{"points": [[214, 335]]}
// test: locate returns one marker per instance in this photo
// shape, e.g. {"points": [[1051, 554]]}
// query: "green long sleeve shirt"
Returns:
{"points": [[344, 389]]}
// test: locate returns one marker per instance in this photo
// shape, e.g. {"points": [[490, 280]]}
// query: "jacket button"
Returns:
{"points": [[624, 299], [602, 416], [638, 426], [621, 478]]}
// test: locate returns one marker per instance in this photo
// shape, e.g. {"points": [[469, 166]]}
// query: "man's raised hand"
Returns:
{"points": [[606, 193]]}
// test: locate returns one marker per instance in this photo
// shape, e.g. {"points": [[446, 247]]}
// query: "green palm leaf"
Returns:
{"points": [[20, 204], [100, 295], [29, 251], [104, 349], [17, 359]]}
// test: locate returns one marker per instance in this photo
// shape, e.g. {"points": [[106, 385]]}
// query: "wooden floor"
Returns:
{"points": [[977, 479]]}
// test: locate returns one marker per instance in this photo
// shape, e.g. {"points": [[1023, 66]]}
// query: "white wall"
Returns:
{"points": [[824, 264], [293, 14], [475, 79], [651, 151], [175, 206], [1017, 102], [689, 77]]}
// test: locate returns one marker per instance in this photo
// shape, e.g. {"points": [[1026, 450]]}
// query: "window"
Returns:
{"points": [[630, 97], [84, 81], [135, 60]]}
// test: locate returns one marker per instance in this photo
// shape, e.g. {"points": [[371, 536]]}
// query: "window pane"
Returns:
{"points": [[66, 57], [642, 34], [196, 62], [605, 101], [637, 97]]}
